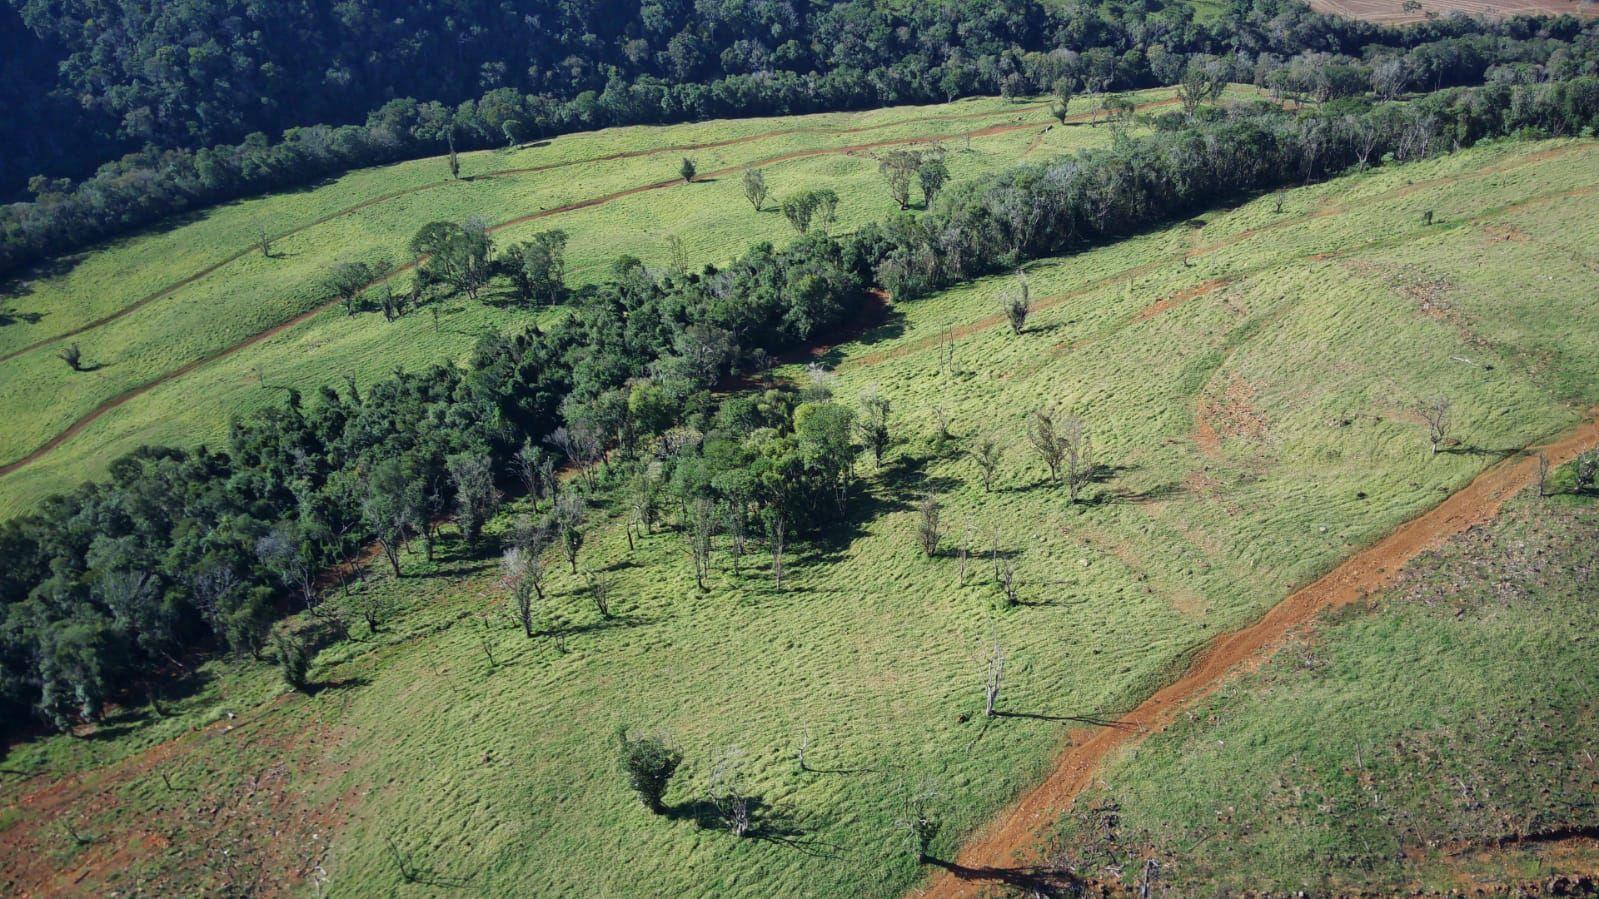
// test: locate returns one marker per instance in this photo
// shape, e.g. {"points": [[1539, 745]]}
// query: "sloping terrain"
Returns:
{"points": [[1251, 379], [185, 327]]}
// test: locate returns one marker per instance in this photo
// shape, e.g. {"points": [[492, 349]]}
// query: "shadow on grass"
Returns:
{"points": [[1093, 720], [1036, 880], [766, 824]]}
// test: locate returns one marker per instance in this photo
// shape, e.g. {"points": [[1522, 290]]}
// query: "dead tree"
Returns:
{"points": [[928, 531], [1005, 574], [728, 793], [521, 574], [776, 532], [1047, 442], [702, 528], [996, 674], [600, 592], [1435, 412], [1080, 466], [987, 456]]}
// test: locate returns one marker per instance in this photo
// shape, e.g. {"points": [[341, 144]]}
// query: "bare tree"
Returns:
{"points": [[522, 576], [569, 517], [728, 793], [1435, 412], [1005, 573], [919, 822], [1543, 473], [1017, 304], [963, 553], [599, 584], [996, 674], [929, 532], [1080, 464], [873, 424], [987, 454], [263, 241], [1047, 442], [776, 531]]}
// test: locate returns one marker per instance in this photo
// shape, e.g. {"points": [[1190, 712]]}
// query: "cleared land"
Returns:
{"points": [[1438, 735], [185, 327], [1393, 12], [1256, 407]]}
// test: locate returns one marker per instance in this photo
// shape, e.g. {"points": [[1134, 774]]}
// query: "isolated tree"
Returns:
{"points": [[476, 499], [727, 792], [263, 241], [996, 675], [454, 160], [810, 208], [898, 167], [1060, 108], [1079, 458], [929, 530], [599, 586], [1435, 412], [1017, 304], [72, 356], [294, 661], [932, 175], [1005, 577], [1203, 80], [872, 425], [919, 824], [687, 170], [986, 453], [374, 607], [648, 763], [569, 518], [755, 188], [509, 130], [776, 534], [1048, 442], [346, 280]]}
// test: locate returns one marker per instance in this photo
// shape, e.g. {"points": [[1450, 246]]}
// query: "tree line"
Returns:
{"points": [[111, 587], [739, 60]]}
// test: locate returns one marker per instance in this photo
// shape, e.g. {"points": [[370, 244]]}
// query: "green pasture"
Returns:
{"points": [[1398, 743], [1255, 409], [248, 294]]}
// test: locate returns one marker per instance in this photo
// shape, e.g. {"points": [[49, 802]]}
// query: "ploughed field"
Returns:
{"points": [[185, 326], [1251, 380]]}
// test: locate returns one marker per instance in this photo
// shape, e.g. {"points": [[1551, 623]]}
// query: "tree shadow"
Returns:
{"points": [[1092, 720], [615, 622], [766, 823], [317, 688], [12, 317], [1037, 880]]}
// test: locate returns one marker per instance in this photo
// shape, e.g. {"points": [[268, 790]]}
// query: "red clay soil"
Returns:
{"points": [[1392, 12], [1011, 841]]}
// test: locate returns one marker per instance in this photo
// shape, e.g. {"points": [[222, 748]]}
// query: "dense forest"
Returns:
{"points": [[105, 588], [215, 99]]}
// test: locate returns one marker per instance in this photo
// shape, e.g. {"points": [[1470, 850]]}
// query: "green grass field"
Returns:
{"points": [[1397, 744], [239, 294], [1255, 404]]}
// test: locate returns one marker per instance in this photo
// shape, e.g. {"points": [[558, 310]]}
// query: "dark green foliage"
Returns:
{"points": [[538, 267], [648, 764], [294, 661]]}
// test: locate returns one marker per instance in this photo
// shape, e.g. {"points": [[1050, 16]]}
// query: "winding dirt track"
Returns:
{"points": [[106, 406], [1001, 853]]}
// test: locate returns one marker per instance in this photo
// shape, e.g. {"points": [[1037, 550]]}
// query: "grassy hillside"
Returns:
{"points": [[1255, 404], [1440, 737], [190, 296]]}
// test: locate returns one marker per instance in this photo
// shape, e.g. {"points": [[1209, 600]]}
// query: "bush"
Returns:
{"points": [[649, 765]]}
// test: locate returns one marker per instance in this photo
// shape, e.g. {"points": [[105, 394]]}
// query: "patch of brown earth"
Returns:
{"points": [[1000, 853]]}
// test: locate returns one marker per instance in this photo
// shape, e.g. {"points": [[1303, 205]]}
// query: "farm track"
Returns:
{"points": [[137, 390], [1006, 851], [175, 286]]}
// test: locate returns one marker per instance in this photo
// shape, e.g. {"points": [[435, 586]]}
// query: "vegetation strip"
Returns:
{"points": [[108, 405], [1013, 837]]}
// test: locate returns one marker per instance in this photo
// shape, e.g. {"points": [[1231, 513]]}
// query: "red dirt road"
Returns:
{"points": [[1002, 852]]}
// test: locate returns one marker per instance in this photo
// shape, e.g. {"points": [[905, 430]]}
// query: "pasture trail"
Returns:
{"points": [[1006, 850], [131, 393], [175, 286]]}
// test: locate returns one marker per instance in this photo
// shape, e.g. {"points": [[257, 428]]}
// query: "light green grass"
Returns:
{"points": [[40, 397], [1396, 744], [1307, 363]]}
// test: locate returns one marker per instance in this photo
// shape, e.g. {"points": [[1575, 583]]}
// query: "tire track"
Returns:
{"points": [[994, 855], [175, 286], [131, 393]]}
